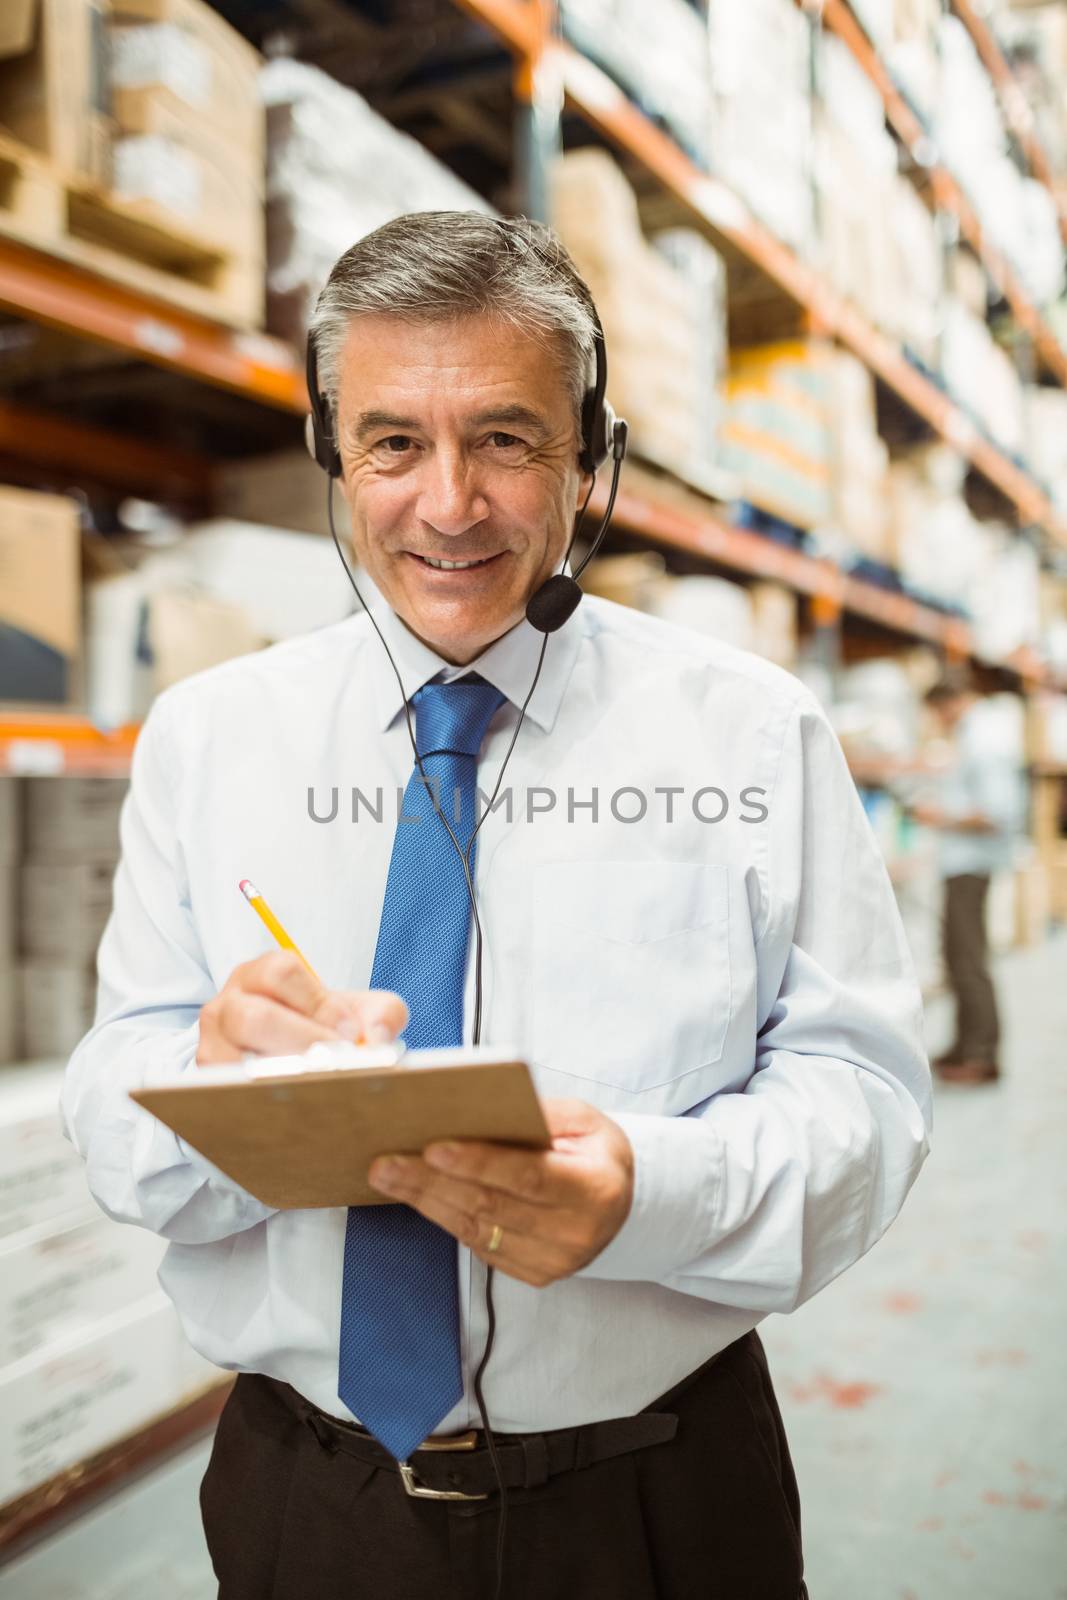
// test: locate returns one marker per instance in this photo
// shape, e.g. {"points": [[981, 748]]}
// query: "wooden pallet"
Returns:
{"points": [[133, 242]]}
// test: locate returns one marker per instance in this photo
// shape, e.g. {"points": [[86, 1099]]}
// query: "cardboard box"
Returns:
{"points": [[191, 631], [1031, 904], [9, 900], [284, 490], [58, 1003], [1055, 862], [200, 193], [17, 20], [63, 1404], [156, 108], [10, 808], [10, 1016], [73, 818], [53, 93], [58, 1280], [65, 906], [774, 623], [40, 586], [42, 1176], [777, 433], [186, 48]]}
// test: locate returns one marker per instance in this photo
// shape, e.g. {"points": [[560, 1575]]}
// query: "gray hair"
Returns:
{"points": [[437, 265]]}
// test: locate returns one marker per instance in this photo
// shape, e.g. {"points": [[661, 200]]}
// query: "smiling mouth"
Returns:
{"points": [[439, 564]]}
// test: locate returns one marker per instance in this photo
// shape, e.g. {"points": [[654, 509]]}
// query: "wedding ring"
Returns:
{"points": [[495, 1238]]}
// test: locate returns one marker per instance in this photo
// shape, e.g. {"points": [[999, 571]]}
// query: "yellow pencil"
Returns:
{"points": [[271, 923]]}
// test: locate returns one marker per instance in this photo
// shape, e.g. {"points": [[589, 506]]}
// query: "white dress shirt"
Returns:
{"points": [[736, 993], [985, 777]]}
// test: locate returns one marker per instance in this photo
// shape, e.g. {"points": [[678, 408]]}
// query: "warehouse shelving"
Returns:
{"points": [[587, 89], [68, 297], [1013, 103], [838, 17], [64, 295]]}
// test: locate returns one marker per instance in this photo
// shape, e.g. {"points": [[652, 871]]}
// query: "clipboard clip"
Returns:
{"points": [[332, 1057]]}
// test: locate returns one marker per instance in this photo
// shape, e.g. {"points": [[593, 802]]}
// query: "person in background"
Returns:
{"points": [[978, 818]]}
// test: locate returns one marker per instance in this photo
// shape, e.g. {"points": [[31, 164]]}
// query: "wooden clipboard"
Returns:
{"points": [[303, 1137]]}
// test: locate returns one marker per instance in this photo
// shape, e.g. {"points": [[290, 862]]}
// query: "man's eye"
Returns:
{"points": [[504, 441], [395, 444]]}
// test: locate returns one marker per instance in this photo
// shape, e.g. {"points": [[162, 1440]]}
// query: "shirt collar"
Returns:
{"points": [[508, 664]]}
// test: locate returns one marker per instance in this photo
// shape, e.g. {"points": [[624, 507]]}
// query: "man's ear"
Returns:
{"points": [[585, 481]]}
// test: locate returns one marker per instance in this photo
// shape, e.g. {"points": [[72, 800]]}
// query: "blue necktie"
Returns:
{"points": [[399, 1370]]}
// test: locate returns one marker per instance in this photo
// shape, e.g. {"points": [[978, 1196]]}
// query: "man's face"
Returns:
{"points": [[458, 443]]}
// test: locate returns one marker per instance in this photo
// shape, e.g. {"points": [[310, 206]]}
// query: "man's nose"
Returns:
{"points": [[450, 498]]}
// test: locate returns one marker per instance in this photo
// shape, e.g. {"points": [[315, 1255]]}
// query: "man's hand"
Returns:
{"points": [[558, 1208], [274, 1006]]}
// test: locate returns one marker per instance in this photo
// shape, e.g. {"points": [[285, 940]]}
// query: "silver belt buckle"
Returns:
{"points": [[419, 1491]]}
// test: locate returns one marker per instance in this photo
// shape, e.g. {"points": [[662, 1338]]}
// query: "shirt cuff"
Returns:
{"points": [[677, 1185]]}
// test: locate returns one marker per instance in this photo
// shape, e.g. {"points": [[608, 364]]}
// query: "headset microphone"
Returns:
{"points": [[549, 607]]}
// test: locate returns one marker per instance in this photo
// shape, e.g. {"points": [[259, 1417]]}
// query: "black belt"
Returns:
{"points": [[461, 1468]]}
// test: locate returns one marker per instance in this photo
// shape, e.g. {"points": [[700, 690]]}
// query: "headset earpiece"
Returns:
{"points": [[598, 418], [318, 429]]}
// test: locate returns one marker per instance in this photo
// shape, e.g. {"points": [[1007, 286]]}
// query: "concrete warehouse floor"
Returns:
{"points": [[923, 1391]]}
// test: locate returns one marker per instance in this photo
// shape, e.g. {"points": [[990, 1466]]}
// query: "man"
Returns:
{"points": [[688, 931], [979, 815]]}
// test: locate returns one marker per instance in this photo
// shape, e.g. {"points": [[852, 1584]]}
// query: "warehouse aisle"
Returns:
{"points": [[923, 1391]]}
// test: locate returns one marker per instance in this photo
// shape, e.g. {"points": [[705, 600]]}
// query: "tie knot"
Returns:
{"points": [[454, 716]]}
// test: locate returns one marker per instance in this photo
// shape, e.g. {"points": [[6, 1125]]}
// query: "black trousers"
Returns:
{"points": [[967, 968], [712, 1514]]}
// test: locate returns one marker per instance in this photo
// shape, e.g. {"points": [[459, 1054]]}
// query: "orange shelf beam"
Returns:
{"points": [[755, 556], [522, 25], [45, 439], [61, 295], [42, 743], [838, 16]]}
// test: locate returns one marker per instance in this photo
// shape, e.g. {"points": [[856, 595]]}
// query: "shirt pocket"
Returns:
{"points": [[631, 966]]}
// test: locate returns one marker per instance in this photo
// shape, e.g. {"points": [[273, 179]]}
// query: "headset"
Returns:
{"points": [[603, 436]]}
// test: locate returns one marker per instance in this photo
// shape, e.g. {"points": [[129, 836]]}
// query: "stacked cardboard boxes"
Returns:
{"points": [[336, 171], [90, 1350], [663, 322], [40, 578], [189, 125], [859, 461], [149, 115], [664, 68], [934, 541], [776, 434], [72, 845], [9, 858], [981, 376], [53, 94], [760, 141], [878, 242], [1045, 412], [1017, 213]]}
